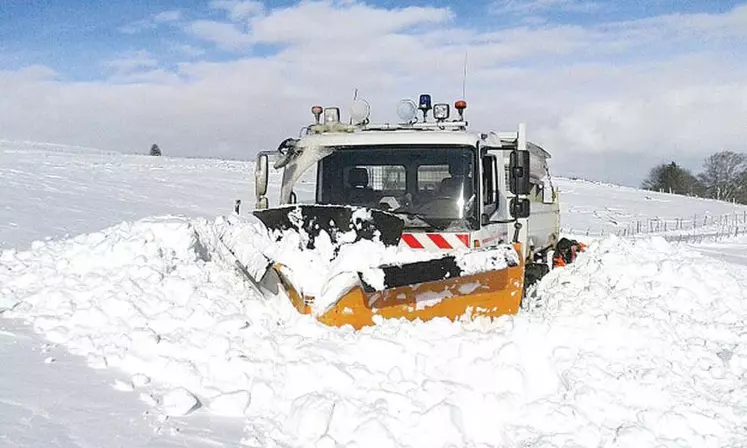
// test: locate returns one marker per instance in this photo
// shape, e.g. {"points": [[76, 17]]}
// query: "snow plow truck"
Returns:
{"points": [[474, 216]]}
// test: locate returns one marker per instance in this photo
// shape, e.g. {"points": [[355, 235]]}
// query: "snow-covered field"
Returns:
{"points": [[139, 333], [594, 208]]}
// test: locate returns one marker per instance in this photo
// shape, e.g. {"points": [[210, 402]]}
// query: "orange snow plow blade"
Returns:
{"points": [[486, 281], [490, 294]]}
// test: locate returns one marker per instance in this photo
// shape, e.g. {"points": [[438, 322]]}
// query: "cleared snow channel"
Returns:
{"points": [[636, 344]]}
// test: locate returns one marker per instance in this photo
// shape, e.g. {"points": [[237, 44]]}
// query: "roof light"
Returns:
{"points": [[406, 110], [425, 102], [441, 111], [331, 115], [359, 111], [460, 106], [317, 111]]}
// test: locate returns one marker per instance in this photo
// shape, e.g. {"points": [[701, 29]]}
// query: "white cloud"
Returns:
{"points": [[187, 50], [152, 22], [540, 6], [730, 24], [224, 35], [238, 10], [329, 21], [168, 16], [312, 22], [132, 61], [31, 73], [608, 96], [137, 67]]}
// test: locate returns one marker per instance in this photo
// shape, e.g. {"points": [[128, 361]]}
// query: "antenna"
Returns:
{"points": [[464, 78], [355, 97]]}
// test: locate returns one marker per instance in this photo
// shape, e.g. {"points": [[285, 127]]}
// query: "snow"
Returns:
{"points": [[595, 207], [66, 404], [331, 267], [157, 339], [180, 401], [62, 193]]}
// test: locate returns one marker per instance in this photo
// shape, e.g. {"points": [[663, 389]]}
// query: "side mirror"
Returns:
{"points": [[518, 179], [293, 197], [519, 208], [261, 173]]}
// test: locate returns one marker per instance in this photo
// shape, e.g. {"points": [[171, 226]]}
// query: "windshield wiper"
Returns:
{"points": [[413, 216]]}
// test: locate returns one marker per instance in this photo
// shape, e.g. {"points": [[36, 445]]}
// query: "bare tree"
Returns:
{"points": [[723, 175]]}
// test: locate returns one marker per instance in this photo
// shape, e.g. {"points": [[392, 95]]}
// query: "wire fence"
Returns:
{"points": [[692, 229]]}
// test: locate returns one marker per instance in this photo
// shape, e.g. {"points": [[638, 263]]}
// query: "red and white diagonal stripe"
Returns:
{"points": [[435, 241]]}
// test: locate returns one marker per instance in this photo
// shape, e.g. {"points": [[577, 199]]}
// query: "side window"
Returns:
{"points": [[489, 180]]}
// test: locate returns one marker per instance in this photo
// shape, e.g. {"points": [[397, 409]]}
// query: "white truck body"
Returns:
{"points": [[495, 224]]}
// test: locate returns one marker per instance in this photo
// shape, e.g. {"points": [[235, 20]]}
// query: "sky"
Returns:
{"points": [[609, 88]]}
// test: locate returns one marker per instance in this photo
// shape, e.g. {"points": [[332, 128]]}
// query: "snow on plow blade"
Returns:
{"points": [[315, 257], [336, 221], [426, 290]]}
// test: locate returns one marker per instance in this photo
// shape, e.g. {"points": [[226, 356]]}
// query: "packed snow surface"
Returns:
{"points": [[639, 343], [635, 344]]}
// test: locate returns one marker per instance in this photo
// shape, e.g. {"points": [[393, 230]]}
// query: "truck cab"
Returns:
{"points": [[453, 188]]}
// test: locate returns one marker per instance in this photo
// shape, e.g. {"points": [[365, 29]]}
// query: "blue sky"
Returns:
{"points": [[77, 38], [601, 84]]}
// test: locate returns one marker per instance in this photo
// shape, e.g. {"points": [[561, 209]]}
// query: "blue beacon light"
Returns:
{"points": [[425, 102]]}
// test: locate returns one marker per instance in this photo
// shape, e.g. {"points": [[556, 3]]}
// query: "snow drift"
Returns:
{"points": [[636, 344]]}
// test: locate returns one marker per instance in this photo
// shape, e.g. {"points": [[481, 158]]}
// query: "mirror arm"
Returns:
{"points": [[517, 227]]}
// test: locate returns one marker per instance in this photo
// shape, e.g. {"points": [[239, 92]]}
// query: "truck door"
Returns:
{"points": [[492, 230]]}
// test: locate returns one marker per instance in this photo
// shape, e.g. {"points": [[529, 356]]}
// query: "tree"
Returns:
{"points": [[723, 175], [672, 178], [155, 150], [742, 193]]}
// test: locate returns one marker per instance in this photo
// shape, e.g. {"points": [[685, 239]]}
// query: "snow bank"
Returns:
{"points": [[637, 344]]}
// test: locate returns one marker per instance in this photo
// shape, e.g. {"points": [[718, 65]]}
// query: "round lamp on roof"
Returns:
{"points": [[359, 111], [406, 110]]}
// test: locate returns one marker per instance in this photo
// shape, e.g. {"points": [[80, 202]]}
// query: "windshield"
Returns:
{"points": [[431, 187]]}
